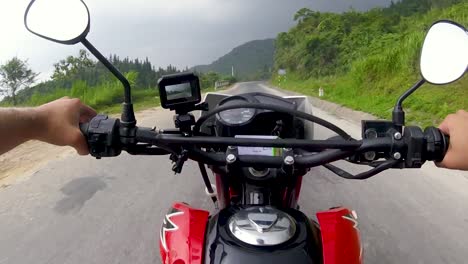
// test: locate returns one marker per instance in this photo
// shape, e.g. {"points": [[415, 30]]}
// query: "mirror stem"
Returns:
{"points": [[398, 114], [128, 116]]}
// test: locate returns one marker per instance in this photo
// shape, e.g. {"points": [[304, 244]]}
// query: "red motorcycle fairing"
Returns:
{"points": [[340, 236], [182, 235]]}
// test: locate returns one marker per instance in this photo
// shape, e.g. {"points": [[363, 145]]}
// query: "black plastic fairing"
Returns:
{"points": [[264, 121]]}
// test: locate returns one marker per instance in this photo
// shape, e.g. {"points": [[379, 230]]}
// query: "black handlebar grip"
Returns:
{"points": [[446, 143], [437, 144], [84, 129]]}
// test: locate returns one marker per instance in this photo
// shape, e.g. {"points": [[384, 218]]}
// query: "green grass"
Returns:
{"points": [[427, 106], [105, 98], [142, 99]]}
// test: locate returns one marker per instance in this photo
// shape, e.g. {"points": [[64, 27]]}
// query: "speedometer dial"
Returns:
{"points": [[236, 116]]}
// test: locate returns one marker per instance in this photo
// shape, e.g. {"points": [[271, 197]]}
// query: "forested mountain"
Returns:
{"points": [[252, 60], [363, 59]]}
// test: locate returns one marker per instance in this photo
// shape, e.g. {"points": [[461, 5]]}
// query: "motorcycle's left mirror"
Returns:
{"points": [[61, 21]]}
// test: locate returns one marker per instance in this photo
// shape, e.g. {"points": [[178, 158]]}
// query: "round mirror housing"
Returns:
{"points": [[61, 21], [444, 57]]}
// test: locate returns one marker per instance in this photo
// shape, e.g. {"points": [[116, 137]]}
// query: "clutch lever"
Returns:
{"points": [[179, 161], [146, 149], [364, 175]]}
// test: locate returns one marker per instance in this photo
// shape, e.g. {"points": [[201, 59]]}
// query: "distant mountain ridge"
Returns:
{"points": [[251, 60]]}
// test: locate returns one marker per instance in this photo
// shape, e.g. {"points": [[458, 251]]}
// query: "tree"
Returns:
{"points": [[15, 75], [303, 14], [72, 67]]}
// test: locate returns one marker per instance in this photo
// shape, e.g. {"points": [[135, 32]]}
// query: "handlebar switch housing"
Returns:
{"points": [[372, 129], [376, 128], [416, 142], [102, 134]]}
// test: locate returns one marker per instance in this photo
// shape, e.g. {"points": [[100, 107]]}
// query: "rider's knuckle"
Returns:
{"points": [[76, 102]]}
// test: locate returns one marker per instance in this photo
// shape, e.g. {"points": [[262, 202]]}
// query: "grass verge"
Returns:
{"points": [[106, 98], [427, 106]]}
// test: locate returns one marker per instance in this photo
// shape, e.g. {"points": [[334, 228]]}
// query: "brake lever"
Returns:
{"points": [[364, 175]]}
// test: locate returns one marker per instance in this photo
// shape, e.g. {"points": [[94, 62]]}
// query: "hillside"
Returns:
{"points": [[365, 60], [252, 60]]}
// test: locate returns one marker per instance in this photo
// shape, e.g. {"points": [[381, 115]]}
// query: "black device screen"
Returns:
{"points": [[179, 90]]}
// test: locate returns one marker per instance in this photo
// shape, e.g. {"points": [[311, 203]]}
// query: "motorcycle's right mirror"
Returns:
{"points": [[444, 57]]}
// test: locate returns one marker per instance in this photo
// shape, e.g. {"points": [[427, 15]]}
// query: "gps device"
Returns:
{"points": [[179, 91]]}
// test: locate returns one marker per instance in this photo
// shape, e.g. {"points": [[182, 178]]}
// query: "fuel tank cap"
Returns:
{"points": [[262, 226]]}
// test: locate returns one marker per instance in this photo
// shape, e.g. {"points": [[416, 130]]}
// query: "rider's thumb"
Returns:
{"points": [[445, 125], [78, 141]]}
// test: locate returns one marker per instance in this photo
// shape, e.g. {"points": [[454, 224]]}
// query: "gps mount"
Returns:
{"points": [[184, 120]]}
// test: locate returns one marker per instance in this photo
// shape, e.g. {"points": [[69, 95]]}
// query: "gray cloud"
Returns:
{"points": [[177, 32]]}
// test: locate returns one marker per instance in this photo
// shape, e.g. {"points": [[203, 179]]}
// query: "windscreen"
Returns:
{"points": [[178, 91]]}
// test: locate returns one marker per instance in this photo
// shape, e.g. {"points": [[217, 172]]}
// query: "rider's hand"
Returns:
{"points": [[456, 126], [60, 120]]}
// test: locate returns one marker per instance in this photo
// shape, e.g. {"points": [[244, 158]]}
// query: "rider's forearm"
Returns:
{"points": [[18, 125]]}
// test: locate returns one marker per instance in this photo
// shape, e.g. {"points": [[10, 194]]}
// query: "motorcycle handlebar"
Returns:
{"points": [[412, 150]]}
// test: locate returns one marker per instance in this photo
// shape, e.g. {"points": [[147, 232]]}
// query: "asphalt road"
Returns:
{"points": [[82, 210]]}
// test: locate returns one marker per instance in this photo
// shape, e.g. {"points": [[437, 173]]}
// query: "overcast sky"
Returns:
{"points": [[177, 32]]}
